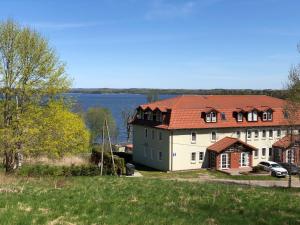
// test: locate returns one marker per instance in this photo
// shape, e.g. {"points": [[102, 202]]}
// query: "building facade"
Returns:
{"points": [[222, 132]]}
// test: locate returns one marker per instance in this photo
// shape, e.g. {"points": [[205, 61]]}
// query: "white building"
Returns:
{"points": [[192, 132]]}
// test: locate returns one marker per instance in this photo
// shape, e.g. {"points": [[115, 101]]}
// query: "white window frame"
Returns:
{"points": [[246, 163], [160, 156], [201, 158], [263, 153], [238, 134], [270, 115], [256, 156], [249, 134], [254, 115], [264, 134], [240, 117], [250, 116], [256, 134], [208, 118], [265, 116], [193, 154], [215, 135], [278, 133], [213, 117], [160, 136], [192, 135], [271, 132]]}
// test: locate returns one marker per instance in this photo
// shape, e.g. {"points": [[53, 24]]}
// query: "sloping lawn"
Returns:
{"points": [[111, 200]]}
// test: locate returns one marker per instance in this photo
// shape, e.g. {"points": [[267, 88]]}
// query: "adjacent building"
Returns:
{"points": [[215, 131]]}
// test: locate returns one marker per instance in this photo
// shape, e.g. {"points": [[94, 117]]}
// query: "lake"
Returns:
{"points": [[115, 103]]}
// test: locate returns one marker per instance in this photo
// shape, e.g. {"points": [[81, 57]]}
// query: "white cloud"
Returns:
{"points": [[169, 9]]}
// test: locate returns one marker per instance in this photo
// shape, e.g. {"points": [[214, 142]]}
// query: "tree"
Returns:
{"points": [[94, 118], [127, 116], [152, 96], [292, 107], [30, 74]]}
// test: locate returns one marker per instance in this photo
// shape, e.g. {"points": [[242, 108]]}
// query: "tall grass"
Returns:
{"points": [[110, 200]]}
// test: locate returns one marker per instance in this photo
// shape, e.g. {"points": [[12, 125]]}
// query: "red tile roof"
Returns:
{"points": [[286, 141], [186, 111], [226, 142]]}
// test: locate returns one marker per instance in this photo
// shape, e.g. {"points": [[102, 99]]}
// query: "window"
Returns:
{"points": [[249, 134], [158, 116], [223, 116], [194, 137], [278, 133], [193, 157], [256, 134], [146, 132], [151, 153], [263, 152], [265, 116], [213, 136], [270, 133], [238, 134], [252, 116], [211, 117], [201, 156], [240, 117], [160, 156], [152, 134], [145, 152], [264, 134], [160, 136], [270, 115], [270, 151], [256, 153]]}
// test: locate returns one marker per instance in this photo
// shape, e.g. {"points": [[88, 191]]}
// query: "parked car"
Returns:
{"points": [[273, 167], [294, 169]]}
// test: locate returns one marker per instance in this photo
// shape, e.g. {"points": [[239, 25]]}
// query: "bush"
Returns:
{"points": [[107, 165], [46, 170], [257, 169]]}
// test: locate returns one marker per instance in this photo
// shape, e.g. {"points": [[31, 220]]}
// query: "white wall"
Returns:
{"points": [[152, 146], [179, 143]]}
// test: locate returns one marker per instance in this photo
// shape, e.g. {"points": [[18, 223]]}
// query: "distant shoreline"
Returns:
{"points": [[279, 93]]}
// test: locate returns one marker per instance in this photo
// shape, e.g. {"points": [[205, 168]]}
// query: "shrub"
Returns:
{"points": [[46, 170], [257, 169], [107, 165]]}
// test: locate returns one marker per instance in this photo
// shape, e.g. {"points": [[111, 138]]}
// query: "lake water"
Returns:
{"points": [[115, 103]]}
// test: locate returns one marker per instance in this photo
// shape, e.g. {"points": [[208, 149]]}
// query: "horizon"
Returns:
{"points": [[163, 44]]}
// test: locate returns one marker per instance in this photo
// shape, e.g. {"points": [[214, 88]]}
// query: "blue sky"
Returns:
{"points": [[168, 44]]}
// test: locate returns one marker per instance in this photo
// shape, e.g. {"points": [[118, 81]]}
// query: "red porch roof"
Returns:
{"points": [[286, 141], [226, 142]]}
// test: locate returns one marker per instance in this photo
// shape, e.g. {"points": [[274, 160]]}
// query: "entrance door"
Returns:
{"points": [[212, 159], [224, 161], [290, 156], [244, 159]]}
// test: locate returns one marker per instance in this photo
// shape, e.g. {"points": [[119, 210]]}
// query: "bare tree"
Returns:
{"points": [[127, 116]]}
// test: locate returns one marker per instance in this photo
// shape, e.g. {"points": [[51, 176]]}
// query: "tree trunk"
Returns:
{"points": [[9, 161]]}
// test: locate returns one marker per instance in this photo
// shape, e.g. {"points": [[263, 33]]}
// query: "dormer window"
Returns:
{"points": [[252, 116], [211, 117], [240, 117], [267, 116], [158, 116]]}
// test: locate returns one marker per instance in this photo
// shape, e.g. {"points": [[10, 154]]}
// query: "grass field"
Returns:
{"points": [[110, 200]]}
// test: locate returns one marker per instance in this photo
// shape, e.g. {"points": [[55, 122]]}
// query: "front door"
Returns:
{"points": [[290, 156], [244, 159], [224, 161]]}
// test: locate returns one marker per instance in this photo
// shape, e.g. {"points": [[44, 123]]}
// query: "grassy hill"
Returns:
{"points": [[109, 200]]}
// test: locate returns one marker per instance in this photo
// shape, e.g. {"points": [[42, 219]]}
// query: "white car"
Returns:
{"points": [[275, 169]]}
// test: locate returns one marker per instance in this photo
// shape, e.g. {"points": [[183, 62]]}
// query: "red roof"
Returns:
{"points": [[226, 142], [186, 111], [286, 141]]}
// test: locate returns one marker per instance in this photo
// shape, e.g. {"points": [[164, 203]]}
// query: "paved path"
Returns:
{"points": [[262, 183]]}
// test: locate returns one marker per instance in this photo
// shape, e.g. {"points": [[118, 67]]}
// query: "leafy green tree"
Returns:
{"points": [[95, 118], [292, 107], [152, 96], [30, 73]]}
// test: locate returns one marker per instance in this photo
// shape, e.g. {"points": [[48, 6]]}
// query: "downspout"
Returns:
{"points": [[171, 155]]}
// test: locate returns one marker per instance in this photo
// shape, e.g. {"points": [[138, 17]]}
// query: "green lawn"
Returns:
{"points": [[147, 172], [111, 200]]}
